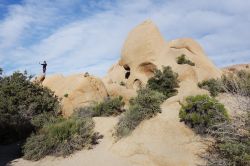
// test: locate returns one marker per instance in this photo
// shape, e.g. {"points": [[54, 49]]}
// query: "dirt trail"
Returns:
{"points": [[160, 141]]}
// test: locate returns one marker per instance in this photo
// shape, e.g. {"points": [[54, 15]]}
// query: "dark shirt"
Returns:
{"points": [[44, 65]]}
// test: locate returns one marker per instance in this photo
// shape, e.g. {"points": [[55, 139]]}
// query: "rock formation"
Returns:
{"points": [[76, 90], [160, 141], [144, 51]]}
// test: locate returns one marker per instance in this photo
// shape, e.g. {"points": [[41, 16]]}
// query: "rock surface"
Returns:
{"points": [[76, 90]]}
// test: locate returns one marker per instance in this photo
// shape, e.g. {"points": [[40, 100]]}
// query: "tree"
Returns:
{"points": [[21, 102]]}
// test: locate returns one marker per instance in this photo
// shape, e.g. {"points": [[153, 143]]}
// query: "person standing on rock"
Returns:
{"points": [[44, 64]]}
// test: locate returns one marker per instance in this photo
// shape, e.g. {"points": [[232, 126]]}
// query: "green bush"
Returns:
{"points": [[214, 86], [144, 106], [84, 112], [236, 153], [182, 60], [66, 95], [202, 112], [122, 83], [164, 81], [109, 107], [21, 101], [60, 138]]}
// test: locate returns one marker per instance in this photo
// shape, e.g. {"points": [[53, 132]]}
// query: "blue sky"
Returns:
{"points": [[87, 35]]}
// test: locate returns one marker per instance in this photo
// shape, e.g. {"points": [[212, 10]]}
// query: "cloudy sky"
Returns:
{"points": [[87, 35]]}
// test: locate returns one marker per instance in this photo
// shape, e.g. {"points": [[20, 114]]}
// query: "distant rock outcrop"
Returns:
{"points": [[235, 68]]}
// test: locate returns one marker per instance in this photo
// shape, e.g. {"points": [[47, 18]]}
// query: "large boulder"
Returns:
{"points": [[77, 90], [146, 50]]}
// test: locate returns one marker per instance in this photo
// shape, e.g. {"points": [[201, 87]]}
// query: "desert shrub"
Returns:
{"points": [[202, 112], [122, 83], [214, 86], [83, 112], [66, 95], [235, 153], [40, 120], [182, 60], [109, 107], [165, 81], [237, 83], [232, 143], [60, 138], [21, 101], [144, 106]]}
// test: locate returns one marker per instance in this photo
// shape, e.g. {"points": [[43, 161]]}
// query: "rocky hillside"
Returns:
{"points": [[160, 141], [144, 51]]}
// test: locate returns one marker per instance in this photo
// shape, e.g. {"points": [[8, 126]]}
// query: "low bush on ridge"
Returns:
{"points": [[61, 138], [165, 82], [108, 107], [144, 106], [214, 86], [202, 112]]}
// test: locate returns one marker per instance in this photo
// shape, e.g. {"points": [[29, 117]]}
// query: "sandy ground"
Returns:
{"points": [[160, 141]]}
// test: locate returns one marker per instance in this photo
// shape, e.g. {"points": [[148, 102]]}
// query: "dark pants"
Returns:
{"points": [[44, 70]]}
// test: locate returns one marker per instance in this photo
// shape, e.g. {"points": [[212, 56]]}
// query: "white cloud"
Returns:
{"points": [[78, 36]]}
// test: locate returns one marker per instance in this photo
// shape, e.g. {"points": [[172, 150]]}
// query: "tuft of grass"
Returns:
{"points": [[182, 60]]}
